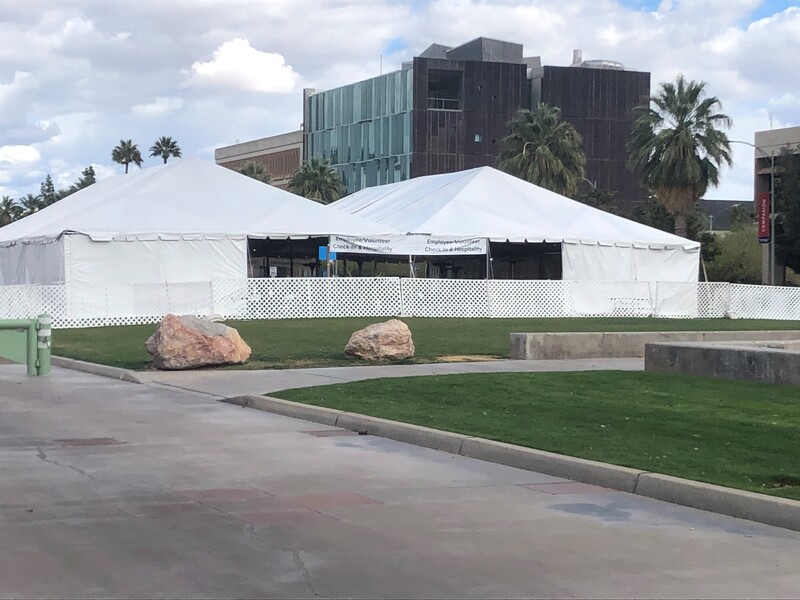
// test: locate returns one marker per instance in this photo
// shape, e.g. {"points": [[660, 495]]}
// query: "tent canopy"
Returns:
{"points": [[187, 199], [488, 203]]}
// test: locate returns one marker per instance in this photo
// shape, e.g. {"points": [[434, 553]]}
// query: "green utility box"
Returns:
{"points": [[27, 341]]}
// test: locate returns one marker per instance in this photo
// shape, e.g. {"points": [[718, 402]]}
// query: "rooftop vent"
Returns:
{"points": [[612, 65], [577, 61]]}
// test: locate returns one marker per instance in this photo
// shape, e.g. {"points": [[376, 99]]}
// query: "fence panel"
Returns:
{"points": [[445, 297], [609, 299], [713, 300], [764, 302], [29, 301], [354, 297], [527, 299]]}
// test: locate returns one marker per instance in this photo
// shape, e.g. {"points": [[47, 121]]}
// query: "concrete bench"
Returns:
{"points": [[774, 361], [538, 346]]}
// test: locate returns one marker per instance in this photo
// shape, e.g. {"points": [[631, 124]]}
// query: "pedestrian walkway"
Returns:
{"points": [[112, 489], [228, 382]]}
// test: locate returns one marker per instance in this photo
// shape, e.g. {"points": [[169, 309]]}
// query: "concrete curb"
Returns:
{"points": [[549, 463], [95, 369], [779, 512]]}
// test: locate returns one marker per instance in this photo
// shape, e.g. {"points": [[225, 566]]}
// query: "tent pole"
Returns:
{"points": [[488, 258]]}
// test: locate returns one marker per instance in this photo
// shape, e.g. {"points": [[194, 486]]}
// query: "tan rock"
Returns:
{"points": [[389, 340], [190, 342]]}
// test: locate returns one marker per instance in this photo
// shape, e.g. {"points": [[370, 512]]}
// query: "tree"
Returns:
{"points": [[257, 171], [30, 204], [544, 150], [678, 146], [653, 214], [126, 153], [165, 147], [317, 180], [734, 256], [47, 192], [9, 211], [86, 179], [597, 198]]}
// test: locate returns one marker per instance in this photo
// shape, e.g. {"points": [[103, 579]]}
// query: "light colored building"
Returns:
{"points": [[769, 145], [281, 154]]}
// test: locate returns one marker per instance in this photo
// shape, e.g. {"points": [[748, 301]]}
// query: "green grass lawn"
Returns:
{"points": [[320, 342], [732, 433]]}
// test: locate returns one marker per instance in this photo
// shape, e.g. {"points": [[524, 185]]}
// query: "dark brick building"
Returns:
{"points": [[448, 109]]}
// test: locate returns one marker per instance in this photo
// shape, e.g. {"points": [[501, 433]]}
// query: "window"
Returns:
{"points": [[477, 137], [444, 90]]}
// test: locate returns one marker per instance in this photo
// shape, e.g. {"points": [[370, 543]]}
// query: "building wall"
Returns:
{"points": [[364, 129], [769, 142], [281, 154], [451, 137], [599, 103]]}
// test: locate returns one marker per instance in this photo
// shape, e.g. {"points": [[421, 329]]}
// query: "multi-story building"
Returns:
{"points": [[448, 109], [598, 97]]}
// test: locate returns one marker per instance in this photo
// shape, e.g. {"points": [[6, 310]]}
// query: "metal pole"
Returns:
{"points": [[32, 349], [772, 213], [43, 344]]}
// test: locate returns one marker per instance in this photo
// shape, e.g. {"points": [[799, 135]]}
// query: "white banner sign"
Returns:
{"points": [[407, 245]]}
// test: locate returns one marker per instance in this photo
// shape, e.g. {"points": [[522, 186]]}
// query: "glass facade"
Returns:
{"points": [[364, 129]]}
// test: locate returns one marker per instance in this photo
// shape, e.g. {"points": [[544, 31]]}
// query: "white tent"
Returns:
{"points": [[487, 203], [185, 221]]}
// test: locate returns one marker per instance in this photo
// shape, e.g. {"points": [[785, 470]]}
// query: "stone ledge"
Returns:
{"points": [[569, 345]]}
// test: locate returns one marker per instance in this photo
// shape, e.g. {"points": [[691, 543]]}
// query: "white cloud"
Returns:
{"points": [[76, 76], [158, 107], [237, 65], [19, 155]]}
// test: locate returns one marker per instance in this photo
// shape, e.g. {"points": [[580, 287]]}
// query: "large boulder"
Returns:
{"points": [[389, 340], [190, 342]]}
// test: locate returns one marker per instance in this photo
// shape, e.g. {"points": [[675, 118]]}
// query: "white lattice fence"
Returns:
{"points": [[286, 298], [29, 301], [355, 297], [764, 302], [445, 297], [609, 299], [713, 300], [527, 299]]}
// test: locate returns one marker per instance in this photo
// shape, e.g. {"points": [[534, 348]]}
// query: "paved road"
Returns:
{"points": [[228, 383], [124, 490]]}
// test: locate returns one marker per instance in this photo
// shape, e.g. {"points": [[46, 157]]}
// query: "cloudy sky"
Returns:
{"points": [[76, 76]]}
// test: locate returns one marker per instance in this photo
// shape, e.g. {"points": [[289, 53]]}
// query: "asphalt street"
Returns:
{"points": [[112, 489]]}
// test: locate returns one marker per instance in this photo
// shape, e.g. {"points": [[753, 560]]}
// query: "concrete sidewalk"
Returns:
{"points": [[228, 383], [112, 489]]}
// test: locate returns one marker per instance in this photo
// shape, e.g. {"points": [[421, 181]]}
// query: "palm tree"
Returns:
{"points": [[165, 147], [544, 150], [30, 204], [256, 170], [9, 211], [126, 153], [317, 180], [678, 146]]}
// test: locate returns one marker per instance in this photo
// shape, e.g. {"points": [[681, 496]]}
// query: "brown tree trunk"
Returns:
{"points": [[680, 225]]}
